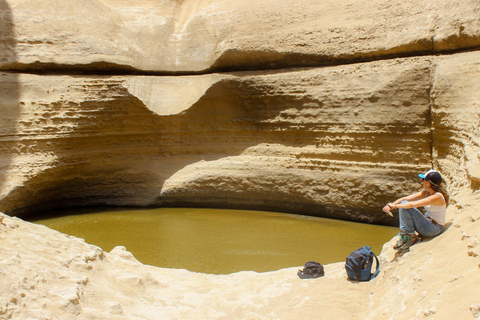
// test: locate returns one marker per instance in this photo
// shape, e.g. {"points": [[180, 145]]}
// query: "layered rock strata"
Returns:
{"points": [[334, 141], [456, 119], [205, 35]]}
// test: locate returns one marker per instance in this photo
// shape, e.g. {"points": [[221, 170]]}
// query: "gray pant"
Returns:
{"points": [[412, 220]]}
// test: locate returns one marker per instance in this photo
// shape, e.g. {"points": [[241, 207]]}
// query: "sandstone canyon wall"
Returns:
{"points": [[327, 108], [307, 108]]}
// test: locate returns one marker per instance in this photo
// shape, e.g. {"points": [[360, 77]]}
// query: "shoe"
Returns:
{"points": [[411, 240], [403, 239]]}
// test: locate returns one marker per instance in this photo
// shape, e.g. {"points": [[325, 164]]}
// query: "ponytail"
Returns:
{"points": [[441, 188]]}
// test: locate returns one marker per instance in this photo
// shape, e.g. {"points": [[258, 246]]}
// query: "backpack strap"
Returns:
{"points": [[378, 267]]}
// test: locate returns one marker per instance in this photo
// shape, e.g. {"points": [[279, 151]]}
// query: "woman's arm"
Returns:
{"points": [[413, 197], [435, 199], [410, 198]]}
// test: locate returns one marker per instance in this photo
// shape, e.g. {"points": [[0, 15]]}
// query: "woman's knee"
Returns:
{"points": [[401, 210]]}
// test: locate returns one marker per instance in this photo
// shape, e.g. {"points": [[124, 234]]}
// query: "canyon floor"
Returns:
{"points": [[50, 275]]}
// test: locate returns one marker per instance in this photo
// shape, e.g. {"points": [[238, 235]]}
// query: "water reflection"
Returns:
{"points": [[221, 241]]}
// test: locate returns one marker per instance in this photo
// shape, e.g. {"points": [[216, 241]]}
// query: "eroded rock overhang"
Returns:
{"points": [[320, 139]]}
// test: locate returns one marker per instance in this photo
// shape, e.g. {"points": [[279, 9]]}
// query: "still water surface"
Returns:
{"points": [[220, 241]]}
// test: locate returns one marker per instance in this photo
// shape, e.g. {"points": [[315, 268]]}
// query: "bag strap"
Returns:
{"points": [[378, 267]]}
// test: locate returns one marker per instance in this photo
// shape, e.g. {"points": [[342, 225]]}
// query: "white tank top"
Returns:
{"points": [[437, 213]]}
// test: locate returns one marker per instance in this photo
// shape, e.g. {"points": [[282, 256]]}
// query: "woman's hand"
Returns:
{"points": [[389, 206], [387, 209]]}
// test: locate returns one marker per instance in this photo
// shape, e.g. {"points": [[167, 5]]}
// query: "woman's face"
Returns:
{"points": [[426, 184]]}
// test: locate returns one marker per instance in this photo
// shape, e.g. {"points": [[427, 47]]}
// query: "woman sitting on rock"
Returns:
{"points": [[435, 200]]}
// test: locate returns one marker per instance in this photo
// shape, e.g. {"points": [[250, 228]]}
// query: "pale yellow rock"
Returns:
{"points": [[201, 35], [169, 95], [320, 141], [336, 141], [456, 118]]}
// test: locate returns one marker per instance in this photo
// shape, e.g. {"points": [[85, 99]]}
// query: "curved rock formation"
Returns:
{"points": [[380, 91], [333, 141], [319, 141]]}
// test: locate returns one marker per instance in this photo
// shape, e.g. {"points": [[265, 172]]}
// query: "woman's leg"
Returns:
{"points": [[426, 228], [405, 216], [412, 220]]}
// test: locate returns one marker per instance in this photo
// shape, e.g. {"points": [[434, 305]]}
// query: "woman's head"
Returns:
{"points": [[434, 181], [434, 177]]}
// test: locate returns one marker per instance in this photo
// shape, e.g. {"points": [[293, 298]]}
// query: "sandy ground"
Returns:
{"points": [[49, 275]]}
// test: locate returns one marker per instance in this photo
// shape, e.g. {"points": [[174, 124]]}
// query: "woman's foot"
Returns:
{"points": [[411, 240], [403, 239]]}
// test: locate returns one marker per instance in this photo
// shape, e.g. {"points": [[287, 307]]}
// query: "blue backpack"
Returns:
{"points": [[359, 264]]}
